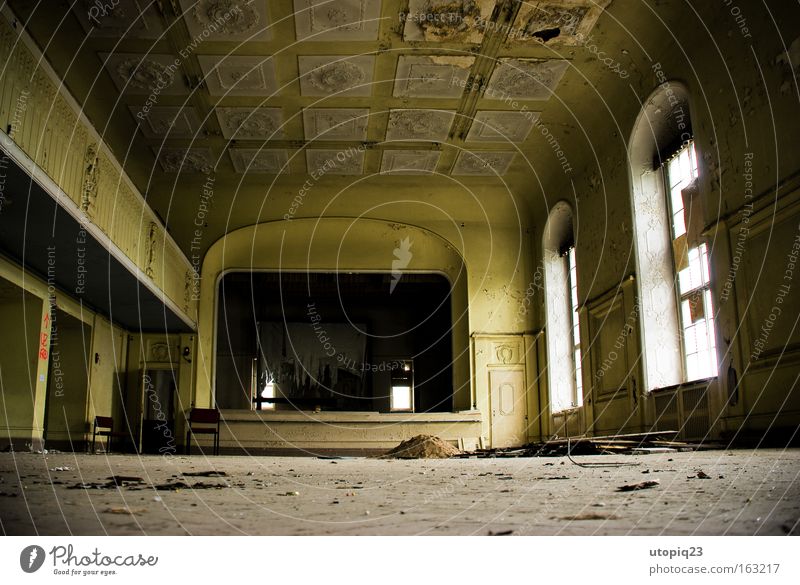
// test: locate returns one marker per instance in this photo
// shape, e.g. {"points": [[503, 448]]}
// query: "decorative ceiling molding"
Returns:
{"points": [[239, 75], [122, 18], [226, 20], [482, 163], [431, 76], [167, 121], [335, 123], [262, 161], [454, 21], [527, 79], [501, 126], [428, 125], [321, 162], [185, 160], [342, 20], [144, 75], [339, 75], [251, 123], [568, 22], [410, 162]]}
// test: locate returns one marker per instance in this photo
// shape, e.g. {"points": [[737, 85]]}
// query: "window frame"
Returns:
{"points": [[392, 386], [575, 324], [705, 288]]}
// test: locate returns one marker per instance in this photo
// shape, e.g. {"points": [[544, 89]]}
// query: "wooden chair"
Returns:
{"points": [[104, 427], [198, 424]]}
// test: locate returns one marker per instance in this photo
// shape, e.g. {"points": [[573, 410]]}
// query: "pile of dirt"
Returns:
{"points": [[423, 447]]}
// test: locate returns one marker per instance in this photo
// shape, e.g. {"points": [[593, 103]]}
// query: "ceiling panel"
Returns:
{"points": [[525, 79], [151, 74], [427, 125], [254, 160], [226, 20], [335, 123], [338, 75], [501, 126], [251, 123], [410, 162], [342, 20], [482, 163], [322, 162], [237, 75]]}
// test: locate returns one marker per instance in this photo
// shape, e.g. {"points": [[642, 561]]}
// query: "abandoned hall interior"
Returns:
{"points": [[320, 228]]}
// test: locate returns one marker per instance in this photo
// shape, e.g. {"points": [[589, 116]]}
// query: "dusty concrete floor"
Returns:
{"points": [[746, 492]]}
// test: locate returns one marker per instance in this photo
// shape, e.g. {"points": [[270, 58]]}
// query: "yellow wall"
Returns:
{"points": [[18, 363]]}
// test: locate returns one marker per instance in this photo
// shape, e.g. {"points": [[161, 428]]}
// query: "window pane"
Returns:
{"points": [[576, 332], [401, 397], [268, 392]]}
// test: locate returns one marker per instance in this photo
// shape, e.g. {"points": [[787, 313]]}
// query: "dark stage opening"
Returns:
{"points": [[334, 342]]}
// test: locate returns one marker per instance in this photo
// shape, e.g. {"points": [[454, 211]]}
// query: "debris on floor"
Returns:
{"points": [[639, 486], [629, 444], [125, 511], [423, 447], [590, 516], [204, 474]]}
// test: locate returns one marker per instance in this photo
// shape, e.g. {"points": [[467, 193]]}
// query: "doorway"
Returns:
{"points": [[65, 418], [159, 395]]}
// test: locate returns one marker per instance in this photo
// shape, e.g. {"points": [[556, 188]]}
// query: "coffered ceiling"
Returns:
{"points": [[371, 87]]}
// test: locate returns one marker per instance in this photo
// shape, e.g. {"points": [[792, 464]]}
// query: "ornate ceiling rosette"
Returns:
{"points": [[121, 18], [262, 161], [226, 20], [433, 125], [153, 74], [482, 163], [186, 160], [527, 79], [409, 162], [349, 161], [342, 20], [251, 123], [335, 123], [336, 75], [431, 76], [501, 126]]}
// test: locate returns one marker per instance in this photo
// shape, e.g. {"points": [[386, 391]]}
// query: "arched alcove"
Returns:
{"points": [[332, 245], [557, 239], [663, 123]]}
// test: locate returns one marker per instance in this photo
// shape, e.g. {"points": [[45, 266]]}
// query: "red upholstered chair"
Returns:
{"points": [[203, 421]]}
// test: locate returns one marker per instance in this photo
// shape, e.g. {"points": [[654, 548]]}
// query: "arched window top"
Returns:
{"points": [[561, 309], [558, 231], [662, 127], [677, 329]]}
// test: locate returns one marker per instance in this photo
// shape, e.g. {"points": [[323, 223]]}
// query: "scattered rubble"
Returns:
{"points": [[639, 486], [629, 444], [589, 516], [423, 447], [125, 510]]}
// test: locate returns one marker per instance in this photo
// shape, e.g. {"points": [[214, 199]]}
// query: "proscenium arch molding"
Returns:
{"points": [[329, 245]]}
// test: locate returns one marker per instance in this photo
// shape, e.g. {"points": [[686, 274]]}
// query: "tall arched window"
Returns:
{"points": [[561, 310], [677, 326]]}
